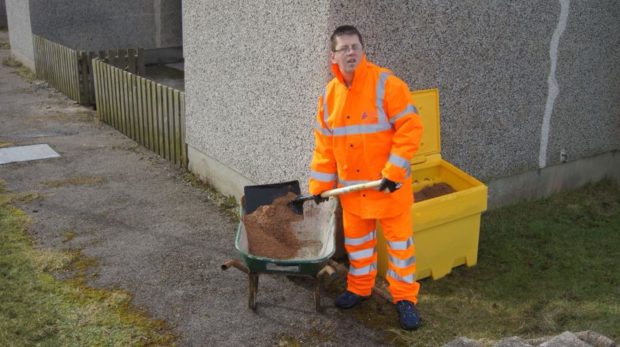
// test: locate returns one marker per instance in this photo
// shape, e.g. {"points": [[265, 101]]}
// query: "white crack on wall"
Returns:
{"points": [[554, 89]]}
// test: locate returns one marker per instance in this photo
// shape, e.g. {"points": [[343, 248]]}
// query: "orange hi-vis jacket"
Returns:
{"points": [[363, 133]]}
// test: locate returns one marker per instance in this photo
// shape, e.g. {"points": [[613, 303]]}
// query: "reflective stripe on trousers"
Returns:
{"points": [[360, 242]]}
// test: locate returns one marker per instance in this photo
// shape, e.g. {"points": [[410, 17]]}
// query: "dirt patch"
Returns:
{"points": [[433, 191], [269, 229]]}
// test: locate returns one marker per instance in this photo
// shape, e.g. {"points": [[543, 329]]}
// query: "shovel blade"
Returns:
{"points": [[297, 205], [265, 194]]}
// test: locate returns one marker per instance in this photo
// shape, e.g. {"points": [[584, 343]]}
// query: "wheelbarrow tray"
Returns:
{"points": [[305, 265]]}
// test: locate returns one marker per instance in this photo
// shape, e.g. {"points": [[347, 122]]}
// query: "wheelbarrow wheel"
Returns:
{"points": [[253, 289]]}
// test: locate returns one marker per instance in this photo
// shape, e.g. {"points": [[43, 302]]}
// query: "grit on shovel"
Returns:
{"points": [[297, 204]]}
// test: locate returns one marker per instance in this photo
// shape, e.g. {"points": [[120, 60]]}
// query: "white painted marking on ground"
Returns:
{"points": [[554, 90], [26, 153]]}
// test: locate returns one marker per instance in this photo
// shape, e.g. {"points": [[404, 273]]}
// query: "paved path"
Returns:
{"points": [[151, 232]]}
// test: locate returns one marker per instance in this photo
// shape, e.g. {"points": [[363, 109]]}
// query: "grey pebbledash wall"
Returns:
{"points": [[254, 71], [3, 23], [95, 25], [528, 89]]}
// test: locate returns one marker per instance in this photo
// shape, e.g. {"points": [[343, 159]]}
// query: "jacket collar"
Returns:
{"points": [[358, 77]]}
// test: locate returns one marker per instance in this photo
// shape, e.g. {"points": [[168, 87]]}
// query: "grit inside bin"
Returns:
{"points": [[445, 228]]}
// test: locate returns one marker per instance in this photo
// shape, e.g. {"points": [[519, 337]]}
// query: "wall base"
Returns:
{"points": [[502, 192], [26, 61], [554, 179], [224, 179]]}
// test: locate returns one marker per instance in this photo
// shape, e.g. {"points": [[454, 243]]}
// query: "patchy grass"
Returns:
{"points": [[6, 144], [24, 198], [74, 181], [68, 236], [5, 45], [543, 267], [227, 203], [20, 69], [38, 309], [75, 117]]}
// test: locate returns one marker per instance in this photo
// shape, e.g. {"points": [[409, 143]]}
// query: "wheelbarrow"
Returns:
{"points": [[309, 263]]}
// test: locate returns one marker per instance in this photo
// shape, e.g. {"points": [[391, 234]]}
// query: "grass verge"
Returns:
{"points": [[544, 267], [38, 309]]}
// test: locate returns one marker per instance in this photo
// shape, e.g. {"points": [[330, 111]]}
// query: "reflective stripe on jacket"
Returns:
{"points": [[362, 133]]}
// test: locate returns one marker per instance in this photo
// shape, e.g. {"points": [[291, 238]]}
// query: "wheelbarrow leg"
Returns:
{"points": [[253, 290], [317, 294]]}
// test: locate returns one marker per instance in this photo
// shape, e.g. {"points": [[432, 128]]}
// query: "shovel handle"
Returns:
{"points": [[351, 188]]}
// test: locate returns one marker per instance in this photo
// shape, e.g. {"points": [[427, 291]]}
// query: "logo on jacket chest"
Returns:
{"points": [[369, 117]]}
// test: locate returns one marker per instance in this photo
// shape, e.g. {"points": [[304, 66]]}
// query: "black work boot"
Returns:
{"points": [[349, 300], [408, 315]]}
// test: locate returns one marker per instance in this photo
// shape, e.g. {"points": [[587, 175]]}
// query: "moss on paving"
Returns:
{"points": [[228, 204], [38, 309], [74, 181], [20, 69]]}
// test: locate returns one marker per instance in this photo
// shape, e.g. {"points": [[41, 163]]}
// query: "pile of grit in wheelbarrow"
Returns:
{"points": [[272, 238]]}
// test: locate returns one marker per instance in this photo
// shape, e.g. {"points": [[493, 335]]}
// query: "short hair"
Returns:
{"points": [[344, 30]]}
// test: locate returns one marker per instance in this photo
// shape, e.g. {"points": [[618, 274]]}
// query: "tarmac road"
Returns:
{"points": [[153, 234]]}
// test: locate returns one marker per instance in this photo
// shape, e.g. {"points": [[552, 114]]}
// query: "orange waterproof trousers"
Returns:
{"points": [[360, 242]]}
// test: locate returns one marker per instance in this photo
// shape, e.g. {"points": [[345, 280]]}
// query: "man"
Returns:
{"points": [[368, 129]]}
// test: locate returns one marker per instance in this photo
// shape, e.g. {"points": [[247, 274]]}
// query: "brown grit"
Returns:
{"points": [[433, 191], [269, 229]]}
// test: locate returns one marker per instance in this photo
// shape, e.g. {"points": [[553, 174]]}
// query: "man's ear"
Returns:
{"points": [[332, 57]]}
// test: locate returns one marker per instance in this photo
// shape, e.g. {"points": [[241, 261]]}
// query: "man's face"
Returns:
{"points": [[348, 53]]}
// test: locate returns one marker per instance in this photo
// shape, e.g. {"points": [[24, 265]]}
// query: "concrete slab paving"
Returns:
{"points": [[26, 153]]}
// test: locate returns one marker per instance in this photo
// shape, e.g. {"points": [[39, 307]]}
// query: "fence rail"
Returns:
{"points": [[71, 71], [148, 112]]}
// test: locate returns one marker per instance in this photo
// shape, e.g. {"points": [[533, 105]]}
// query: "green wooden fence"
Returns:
{"points": [[58, 65], [148, 112], [71, 71]]}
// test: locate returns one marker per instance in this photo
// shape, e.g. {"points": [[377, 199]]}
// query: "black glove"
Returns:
{"points": [[389, 185], [318, 199]]}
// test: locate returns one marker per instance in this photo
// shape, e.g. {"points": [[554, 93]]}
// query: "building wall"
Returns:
{"points": [[3, 23], [586, 116], [520, 82], [491, 62], [94, 25], [20, 33], [253, 75]]}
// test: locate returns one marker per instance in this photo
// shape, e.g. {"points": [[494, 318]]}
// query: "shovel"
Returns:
{"points": [[297, 204]]}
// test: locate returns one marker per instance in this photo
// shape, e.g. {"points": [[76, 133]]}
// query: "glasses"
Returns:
{"points": [[345, 49]]}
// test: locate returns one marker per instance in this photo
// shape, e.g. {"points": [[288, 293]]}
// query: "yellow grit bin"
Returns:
{"points": [[445, 228]]}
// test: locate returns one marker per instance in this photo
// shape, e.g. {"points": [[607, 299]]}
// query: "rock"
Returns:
{"points": [[512, 342], [565, 339], [595, 339], [462, 342]]}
